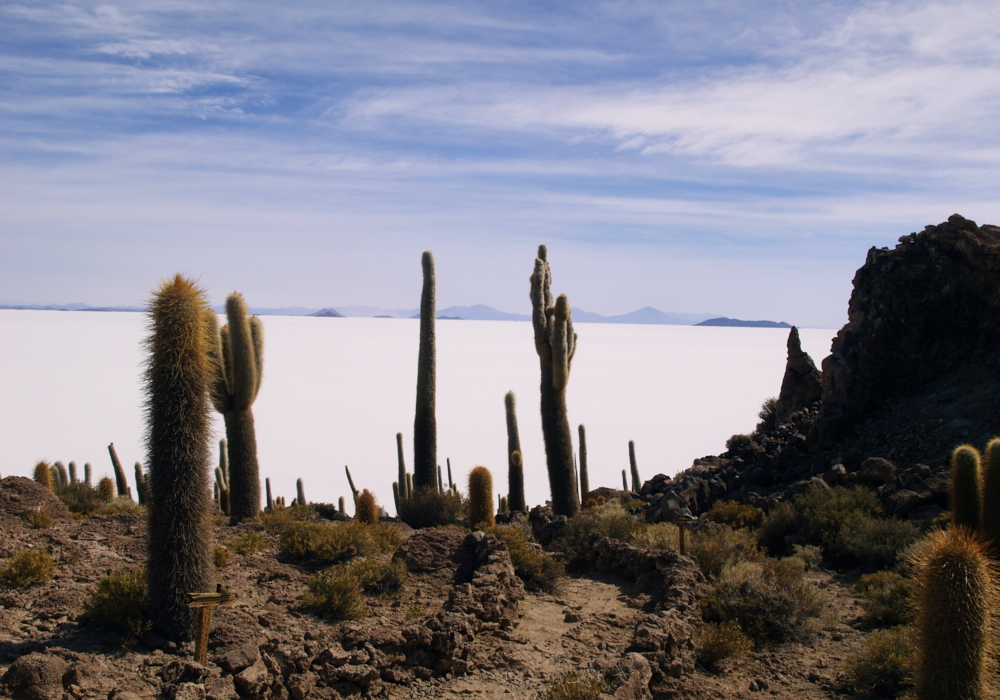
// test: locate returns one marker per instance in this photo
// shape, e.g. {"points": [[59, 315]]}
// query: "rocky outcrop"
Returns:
{"points": [[19, 497], [802, 384], [924, 309], [493, 590]]}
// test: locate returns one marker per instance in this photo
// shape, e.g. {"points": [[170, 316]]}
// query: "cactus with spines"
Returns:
{"points": [[955, 601], [120, 481], [966, 487], [87, 473], [43, 475], [367, 511], [990, 520], [480, 511], [63, 474], [624, 482], [584, 475], [72, 473], [54, 471], [425, 420], [177, 378], [300, 492], [555, 343], [401, 464], [238, 360], [409, 484], [340, 504], [515, 461], [105, 489], [636, 481], [395, 495], [451, 484], [141, 485], [220, 481], [350, 482], [440, 480], [504, 508], [270, 499]]}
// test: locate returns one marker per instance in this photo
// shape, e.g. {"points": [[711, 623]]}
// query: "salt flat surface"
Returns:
{"points": [[336, 391]]}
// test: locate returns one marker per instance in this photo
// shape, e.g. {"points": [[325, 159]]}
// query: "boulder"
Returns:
{"points": [[36, 676]]}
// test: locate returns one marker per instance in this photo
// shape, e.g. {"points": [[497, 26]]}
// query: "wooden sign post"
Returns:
{"points": [[681, 522], [205, 602]]}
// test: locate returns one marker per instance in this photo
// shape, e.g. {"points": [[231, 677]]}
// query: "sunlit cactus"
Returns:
{"points": [[425, 420], [966, 487], [105, 490], [555, 343], [238, 354], [990, 521], [43, 475], [367, 510], [480, 511], [178, 372]]}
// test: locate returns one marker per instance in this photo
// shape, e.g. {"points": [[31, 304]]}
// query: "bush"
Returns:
{"points": [[873, 542], [118, 601], [738, 443], [39, 518], [280, 518], [337, 592], [429, 508], [539, 571], [734, 514], [887, 599], [220, 555], [811, 555], [28, 567], [718, 547], [586, 686], [780, 525], [119, 505], [248, 543], [415, 611], [716, 642], [884, 665], [80, 498], [662, 536], [767, 414], [321, 543], [767, 599], [610, 520]]}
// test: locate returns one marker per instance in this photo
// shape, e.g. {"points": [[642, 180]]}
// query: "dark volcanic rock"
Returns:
{"points": [[802, 383], [919, 311], [36, 677], [20, 497]]}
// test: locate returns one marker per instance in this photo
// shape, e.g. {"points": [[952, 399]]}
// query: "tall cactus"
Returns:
{"points": [[636, 481], [956, 596], [72, 473], [239, 363], [966, 487], [223, 486], [481, 498], [350, 482], [178, 373], [402, 467], [515, 458], [63, 474], [451, 484], [555, 343], [120, 481], [425, 421], [270, 499], [584, 476]]}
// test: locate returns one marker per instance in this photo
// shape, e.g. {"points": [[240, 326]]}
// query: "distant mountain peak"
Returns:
{"points": [[328, 313]]}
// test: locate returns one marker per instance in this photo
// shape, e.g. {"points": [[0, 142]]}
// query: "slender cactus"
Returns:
{"points": [[87, 472], [350, 481], [481, 498], [300, 492], [178, 373], [515, 459], [238, 354], [72, 473], [440, 481], [555, 343], [624, 482], [636, 482], [270, 499], [395, 495], [141, 484], [402, 466], [409, 482], [220, 480], [120, 480], [451, 484], [425, 421], [584, 476], [990, 521], [966, 487]]}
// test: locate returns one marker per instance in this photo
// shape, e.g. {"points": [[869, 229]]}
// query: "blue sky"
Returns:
{"points": [[727, 157]]}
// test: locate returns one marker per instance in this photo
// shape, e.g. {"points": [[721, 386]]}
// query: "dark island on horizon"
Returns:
{"points": [[737, 323]]}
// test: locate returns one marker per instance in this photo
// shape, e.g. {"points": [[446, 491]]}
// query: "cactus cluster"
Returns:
{"points": [[974, 490], [237, 354], [555, 343]]}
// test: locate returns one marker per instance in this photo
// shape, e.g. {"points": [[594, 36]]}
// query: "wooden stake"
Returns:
{"points": [[205, 602]]}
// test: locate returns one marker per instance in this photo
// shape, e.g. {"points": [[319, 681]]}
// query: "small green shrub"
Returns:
{"points": [[415, 612], [780, 526], [768, 599], [280, 518], [119, 505], [871, 541], [719, 547], [80, 498], [884, 665], [574, 686], [716, 642], [322, 543], [220, 555], [766, 414], [738, 443], [810, 554], [609, 519], [249, 543], [539, 571], [28, 567], [663, 536], [887, 599], [376, 576], [426, 507], [337, 592], [118, 601], [734, 514], [39, 518]]}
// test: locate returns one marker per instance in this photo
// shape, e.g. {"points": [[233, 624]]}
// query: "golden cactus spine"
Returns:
{"points": [[43, 474], [555, 343], [178, 373], [966, 487], [238, 361], [367, 510], [106, 490], [481, 498]]}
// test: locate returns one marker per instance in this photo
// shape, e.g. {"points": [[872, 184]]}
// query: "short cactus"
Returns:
{"points": [[63, 474], [105, 489], [956, 596], [72, 473], [367, 511], [300, 492], [966, 487], [990, 521], [43, 475], [515, 460], [270, 499], [555, 343], [340, 504], [425, 420], [480, 511], [636, 481], [624, 482], [238, 363], [503, 505], [87, 473]]}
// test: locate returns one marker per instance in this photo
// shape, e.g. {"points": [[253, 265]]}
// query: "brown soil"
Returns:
{"points": [[589, 624]]}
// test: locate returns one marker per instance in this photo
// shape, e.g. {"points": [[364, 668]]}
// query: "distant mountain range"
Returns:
{"points": [[478, 312]]}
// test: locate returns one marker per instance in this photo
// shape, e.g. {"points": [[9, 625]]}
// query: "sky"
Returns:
{"points": [[732, 157]]}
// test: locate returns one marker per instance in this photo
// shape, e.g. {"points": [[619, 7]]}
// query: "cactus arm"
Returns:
{"points": [[243, 362], [257, 336], [541, 302], [218, 386]]}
